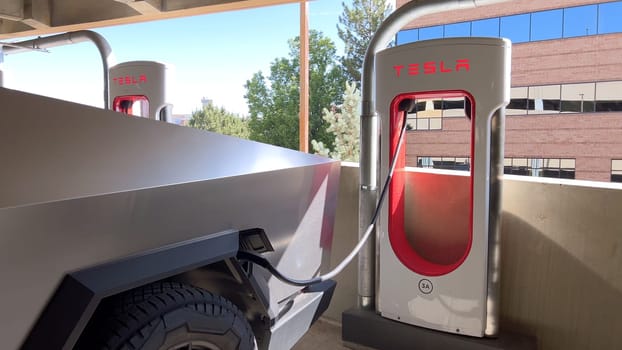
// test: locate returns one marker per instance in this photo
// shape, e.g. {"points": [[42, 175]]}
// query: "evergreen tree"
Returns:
{"points": [[358, 25], [344, 124]]}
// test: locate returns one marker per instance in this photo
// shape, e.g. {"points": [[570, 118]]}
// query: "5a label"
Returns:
{"points": [[425, 286]]}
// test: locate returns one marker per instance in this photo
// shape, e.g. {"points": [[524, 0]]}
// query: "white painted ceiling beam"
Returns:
{"points": [[19, 18], [38, 14], [144, 7], [12, 9]]}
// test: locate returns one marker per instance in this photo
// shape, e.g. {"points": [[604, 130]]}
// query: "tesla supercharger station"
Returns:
{"points": [[139, 88], [438, 236]]}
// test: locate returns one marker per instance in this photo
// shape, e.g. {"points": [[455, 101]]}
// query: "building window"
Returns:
{"points": [[456, 30], [540, 167], [616, 170], [518, 101], [453, 107], [449, 163], [561, 168], [542, 25], [580, 21], [425, 117], [558, 168], [578, 98], [546, 25], [407, 36], [517, 166], [516, 28], [609, 96], [423, 123], [567, 98], [435, 32], [429, 113], [609, 17], [485, 27], [544, 99]]}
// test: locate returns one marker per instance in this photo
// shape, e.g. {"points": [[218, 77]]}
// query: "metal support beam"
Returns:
{"points": [[99, 41], [304, 77]]}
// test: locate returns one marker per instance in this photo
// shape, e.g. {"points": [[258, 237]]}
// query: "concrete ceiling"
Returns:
{"points": [[38, 17]]}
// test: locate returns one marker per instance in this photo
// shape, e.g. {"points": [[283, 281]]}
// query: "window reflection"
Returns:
{"points": [[429, 113], [485, 27], [423, 124], [516, 28], [541, 167], [558, 168], [449, 163], [609, 15], [415, 122], [435, 124], [407, 36], [435, 32], [580, 21], [561, 168], [453, 107], [458, 30], [573, 98], [546, 25], [426, 116], [516, 166]]}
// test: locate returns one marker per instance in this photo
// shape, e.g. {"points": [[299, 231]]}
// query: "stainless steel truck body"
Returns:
{"points": [[94, 204]]}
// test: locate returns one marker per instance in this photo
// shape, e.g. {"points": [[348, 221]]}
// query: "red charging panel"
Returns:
{"points": [[403, 249], [124, 104]]}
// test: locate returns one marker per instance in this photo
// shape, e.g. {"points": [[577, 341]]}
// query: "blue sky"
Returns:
{"points": [[212, 55]]}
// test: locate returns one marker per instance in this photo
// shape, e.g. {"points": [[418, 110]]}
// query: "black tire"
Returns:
{"points": [[168, 316]]}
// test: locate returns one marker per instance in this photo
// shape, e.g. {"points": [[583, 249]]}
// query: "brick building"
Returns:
{"points": [[565, 115]]}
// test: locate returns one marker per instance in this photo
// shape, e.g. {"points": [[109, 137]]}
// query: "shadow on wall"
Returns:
{"points": [[549, 293], [561, 273], [344, 239]]}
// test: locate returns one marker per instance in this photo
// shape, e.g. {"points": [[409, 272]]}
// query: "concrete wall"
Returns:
{"points": [[561, 260], [344, 239]]}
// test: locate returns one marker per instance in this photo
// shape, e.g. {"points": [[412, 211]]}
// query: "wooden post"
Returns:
{"points": [[304, 77]]}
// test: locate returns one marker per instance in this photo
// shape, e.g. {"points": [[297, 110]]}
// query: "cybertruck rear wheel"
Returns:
{"points": [[168, 316]]}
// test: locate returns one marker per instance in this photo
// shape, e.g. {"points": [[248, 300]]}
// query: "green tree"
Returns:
{"points": [[344, 125], [274, 101], [358, 24], [218, 120]]}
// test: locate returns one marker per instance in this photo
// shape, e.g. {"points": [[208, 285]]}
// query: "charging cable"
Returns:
{"points": [[405, 107]]}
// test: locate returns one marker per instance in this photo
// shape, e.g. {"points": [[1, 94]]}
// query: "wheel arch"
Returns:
{"points": [[75, 300]]}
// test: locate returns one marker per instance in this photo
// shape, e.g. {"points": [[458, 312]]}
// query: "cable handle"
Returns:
{"points": [[405, 107]]}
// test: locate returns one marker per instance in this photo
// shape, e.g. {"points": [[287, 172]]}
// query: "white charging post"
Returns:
{"points": [[438, 239], [411, 300], [139, 88]]}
